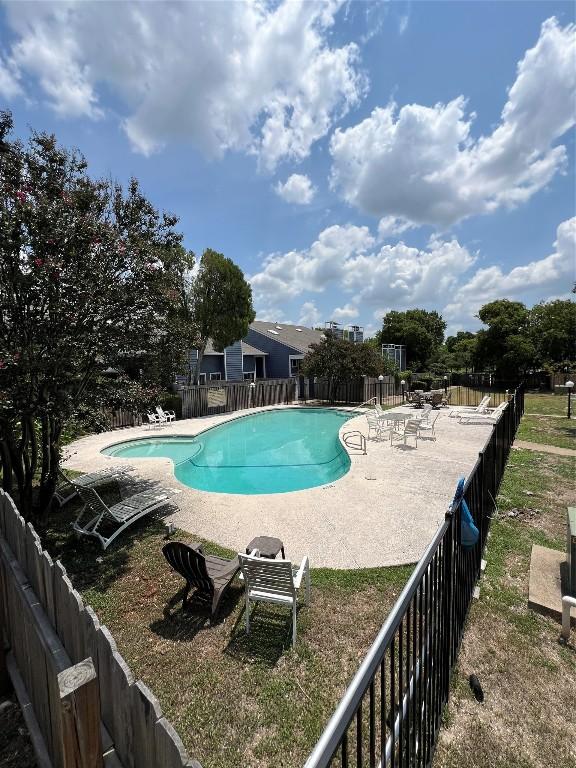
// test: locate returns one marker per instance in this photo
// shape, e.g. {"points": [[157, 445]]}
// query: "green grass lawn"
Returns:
{"points": [[234, 699], [548, 405], [526, 720], [550, 427]]}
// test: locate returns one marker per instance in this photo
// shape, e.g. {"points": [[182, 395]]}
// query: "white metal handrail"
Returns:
{"points": [[366, 402], [346, 437]]}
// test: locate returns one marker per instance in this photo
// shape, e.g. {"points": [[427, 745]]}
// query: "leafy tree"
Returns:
{"points": [[553, 331], [505, 345], [422, 333], [461, 350], [86, 275], [340, 360], [221, 304]]}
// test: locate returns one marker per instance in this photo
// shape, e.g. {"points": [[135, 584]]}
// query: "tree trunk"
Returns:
{"points": [[201, 351], [6, 467], [51, 463]]}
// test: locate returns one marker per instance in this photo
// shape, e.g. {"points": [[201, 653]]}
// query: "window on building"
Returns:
{"points": [[295, 364], [215, 376], [202, 378], [249, 376]]}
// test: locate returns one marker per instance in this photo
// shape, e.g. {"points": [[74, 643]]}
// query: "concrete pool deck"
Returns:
{"points": [[384, 511]]}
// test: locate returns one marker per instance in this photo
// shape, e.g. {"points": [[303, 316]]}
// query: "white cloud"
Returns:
{"points": [[345, 313], [9, 86], [420, 164], [391, 226], [297, 189], [286, 275], [539, 280], [364, 279], [255, 77], [309, 314]]}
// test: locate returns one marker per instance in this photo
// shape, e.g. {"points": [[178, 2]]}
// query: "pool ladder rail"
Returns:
{"points": [[355, 440]]}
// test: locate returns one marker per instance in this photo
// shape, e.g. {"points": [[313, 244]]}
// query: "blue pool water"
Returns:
{"points": [[268, 452]]}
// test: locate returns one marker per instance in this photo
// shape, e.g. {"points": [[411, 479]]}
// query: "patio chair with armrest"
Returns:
{"points": [[120, 515], [429, 424], [411, 431], [68, 488], [208, 575], [436, 398], [168, 416], [274, 581], [446, 399], [424, 414]]}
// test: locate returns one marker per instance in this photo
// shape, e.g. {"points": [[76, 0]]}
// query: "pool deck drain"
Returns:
{"points": [[384, 511]]}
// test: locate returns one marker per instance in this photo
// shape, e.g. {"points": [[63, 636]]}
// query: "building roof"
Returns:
{"points": [[296, 336], [248, 349]]}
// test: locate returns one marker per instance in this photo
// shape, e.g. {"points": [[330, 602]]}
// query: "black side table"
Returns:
{"points": [[268, 547]]}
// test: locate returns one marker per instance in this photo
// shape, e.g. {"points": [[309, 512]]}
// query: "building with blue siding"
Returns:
{"points": [[269, 351]]}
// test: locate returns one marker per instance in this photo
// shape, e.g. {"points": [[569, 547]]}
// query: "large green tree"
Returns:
{"points": [[505, 344], [87, 275], [461, 351], [221, 304], [422, 333], [553, 332], [340, 360]]}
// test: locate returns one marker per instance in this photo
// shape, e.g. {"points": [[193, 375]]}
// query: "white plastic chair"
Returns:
{"points": [[424, 415], [165, 415], [373, 425], [411, 430], [154, 420], [274, 581], [429, 424]]}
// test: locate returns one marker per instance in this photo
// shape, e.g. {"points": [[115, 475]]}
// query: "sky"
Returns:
{"points": [[351, 157]]}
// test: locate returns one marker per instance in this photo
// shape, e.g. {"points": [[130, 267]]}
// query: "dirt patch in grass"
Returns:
{"points": [[528, 678], [15, 745], [235, 699]]}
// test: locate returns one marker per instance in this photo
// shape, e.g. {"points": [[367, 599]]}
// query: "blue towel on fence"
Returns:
{"points": [[468, 532]]}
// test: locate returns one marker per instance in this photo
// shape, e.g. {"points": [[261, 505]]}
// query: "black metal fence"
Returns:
{"points": [[391, 712]]}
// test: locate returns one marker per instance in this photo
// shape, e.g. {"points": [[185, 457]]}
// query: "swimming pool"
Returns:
{"points": [[267, 452]]}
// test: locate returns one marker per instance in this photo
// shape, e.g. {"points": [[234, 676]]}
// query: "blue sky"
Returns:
{"points": [[351, 157]]}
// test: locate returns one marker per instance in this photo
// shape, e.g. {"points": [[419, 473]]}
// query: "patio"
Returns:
{"points": [[384, 511]]}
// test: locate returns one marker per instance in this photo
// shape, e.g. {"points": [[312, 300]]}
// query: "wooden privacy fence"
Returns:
{"points": [[80, 700], [121, 418], [225, 396]]}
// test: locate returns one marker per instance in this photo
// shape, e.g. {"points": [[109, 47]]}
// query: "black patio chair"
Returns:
{"points": [[208, 575]]}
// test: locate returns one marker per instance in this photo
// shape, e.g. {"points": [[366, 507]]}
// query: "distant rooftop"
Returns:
{"points": [[299, 337]]}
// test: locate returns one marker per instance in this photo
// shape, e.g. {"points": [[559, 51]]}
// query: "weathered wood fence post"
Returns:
{"points": [[80, 716]]}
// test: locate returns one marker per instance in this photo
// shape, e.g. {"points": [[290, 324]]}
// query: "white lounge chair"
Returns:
{"points": [[411, 430], [165, 415], [67, 489], [491, 417], [274, 581], [122, 514], [482, 407]]}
